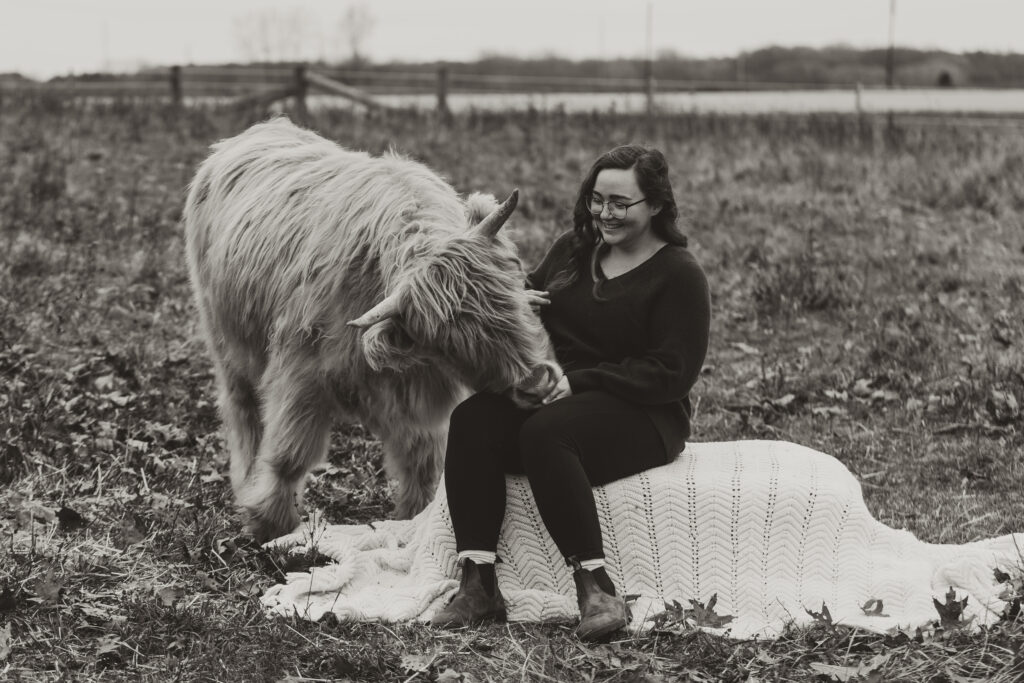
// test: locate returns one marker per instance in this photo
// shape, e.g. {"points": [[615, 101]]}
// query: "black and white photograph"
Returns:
{"points": [[466, 341]]}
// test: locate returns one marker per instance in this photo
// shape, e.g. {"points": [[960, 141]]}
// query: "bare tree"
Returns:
{"points": [[355, 27], [270, 35]]}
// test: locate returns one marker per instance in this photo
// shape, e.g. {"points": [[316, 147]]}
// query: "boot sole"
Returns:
{"points": [[601, 630], [499, 616]]}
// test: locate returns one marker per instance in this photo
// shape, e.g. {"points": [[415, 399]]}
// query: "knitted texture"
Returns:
{"points": [[771, 528]]}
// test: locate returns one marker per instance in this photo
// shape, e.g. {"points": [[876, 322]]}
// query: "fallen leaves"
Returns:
{"points": [[128, 533], [873, 608], [824, 617], [417, 664], [452, 676], [771, 386], [701, 615], [109, 650], [1012, 593], [862, 388], [211, 477], [100, 612], [677, 618], [746, 348], [1002, 328], [5, 642], [168, 595], [146, 410], [829, 411], [783, 402], [951, 611], [33, 511], [1002, 407], [872, 390], [869, 672], [48, 587]]}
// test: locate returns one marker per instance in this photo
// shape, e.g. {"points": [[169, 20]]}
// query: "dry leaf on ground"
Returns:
{"points": [[5, 642]]}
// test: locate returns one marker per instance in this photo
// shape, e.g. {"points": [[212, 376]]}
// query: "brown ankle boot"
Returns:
{"points": [[601, 611], [478, 599]]}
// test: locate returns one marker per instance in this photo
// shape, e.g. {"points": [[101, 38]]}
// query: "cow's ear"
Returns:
{"points": [[479, 206], [387, 345]]}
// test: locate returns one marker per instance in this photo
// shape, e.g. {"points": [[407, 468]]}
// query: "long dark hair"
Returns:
{"points": [[651, 171]]}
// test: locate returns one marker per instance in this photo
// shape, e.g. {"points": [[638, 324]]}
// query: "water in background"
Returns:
{"points": [[792, 101]]}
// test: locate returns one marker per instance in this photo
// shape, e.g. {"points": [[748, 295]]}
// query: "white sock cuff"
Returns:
{"points": [[479, 556], [591, 565]]}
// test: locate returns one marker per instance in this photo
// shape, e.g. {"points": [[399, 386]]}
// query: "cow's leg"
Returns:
{"points": [[243, 427], [297, 421], [415, 457]]}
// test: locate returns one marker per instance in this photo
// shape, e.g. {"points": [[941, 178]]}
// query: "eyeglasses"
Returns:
{"points": [[616, 208]]}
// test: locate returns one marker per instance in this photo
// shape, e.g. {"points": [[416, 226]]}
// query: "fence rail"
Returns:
{"points": [[255, 85]]}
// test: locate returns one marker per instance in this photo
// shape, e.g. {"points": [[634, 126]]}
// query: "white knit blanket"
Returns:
{"points": [[771, 528]]}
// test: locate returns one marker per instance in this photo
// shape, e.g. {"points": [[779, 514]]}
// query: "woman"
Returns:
{"points": [[628, 312]]}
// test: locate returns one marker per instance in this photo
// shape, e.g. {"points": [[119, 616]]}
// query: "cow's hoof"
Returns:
{"points": [[270, 520]]}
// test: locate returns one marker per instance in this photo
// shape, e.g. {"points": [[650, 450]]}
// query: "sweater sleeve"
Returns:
{"points": [[679, 329], [555, 259]]}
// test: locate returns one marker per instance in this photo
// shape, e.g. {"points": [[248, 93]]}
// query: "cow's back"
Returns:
{"points": [[288, 231]]}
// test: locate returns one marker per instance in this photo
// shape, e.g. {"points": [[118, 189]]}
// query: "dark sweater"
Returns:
{"points": [[645, 344]]}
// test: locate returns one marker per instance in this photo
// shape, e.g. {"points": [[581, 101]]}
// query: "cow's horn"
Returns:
{"points": [[385, 309], [490, 225]]}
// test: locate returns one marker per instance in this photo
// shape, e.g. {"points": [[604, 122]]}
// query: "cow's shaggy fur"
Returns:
{"points": [[289, 239]]}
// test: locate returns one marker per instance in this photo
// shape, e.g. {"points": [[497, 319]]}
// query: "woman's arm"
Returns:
{"points": [[680, 320], [553, 261]]}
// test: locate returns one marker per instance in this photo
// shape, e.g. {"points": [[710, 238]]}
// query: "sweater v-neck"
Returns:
{"points": [[634, 268]]}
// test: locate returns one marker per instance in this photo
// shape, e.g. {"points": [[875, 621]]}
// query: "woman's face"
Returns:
{"points": [[619, 185]]}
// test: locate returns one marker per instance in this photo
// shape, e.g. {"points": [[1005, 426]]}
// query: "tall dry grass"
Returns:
{"points": [[868, 289]]}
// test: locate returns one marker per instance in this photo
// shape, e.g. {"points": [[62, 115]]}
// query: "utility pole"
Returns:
{"points": [[649, 62], [650, 30], [890, 62], [105, 46], [890, 68]]}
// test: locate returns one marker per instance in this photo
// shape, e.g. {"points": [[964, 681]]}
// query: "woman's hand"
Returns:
{"points": [[537, 298], [561, 390]]}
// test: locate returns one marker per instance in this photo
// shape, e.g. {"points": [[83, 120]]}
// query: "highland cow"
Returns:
{"points": [[331, 283]]}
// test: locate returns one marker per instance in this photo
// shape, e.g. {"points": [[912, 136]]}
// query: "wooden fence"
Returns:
{"points": [[261, 85]]}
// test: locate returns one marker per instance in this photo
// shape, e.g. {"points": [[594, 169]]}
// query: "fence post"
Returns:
{"points": [[649, 88], [301, 87], [443, 77], [176, 98]]}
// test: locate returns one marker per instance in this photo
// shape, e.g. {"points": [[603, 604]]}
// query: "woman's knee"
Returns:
{"points": [[478, 409], [478, 425], [543, 435]]}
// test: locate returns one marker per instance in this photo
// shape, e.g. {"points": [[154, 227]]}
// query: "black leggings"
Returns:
{"points": [[564, 449]]}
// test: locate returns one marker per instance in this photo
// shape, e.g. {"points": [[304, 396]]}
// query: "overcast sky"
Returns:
{"points": [[48, 37]]}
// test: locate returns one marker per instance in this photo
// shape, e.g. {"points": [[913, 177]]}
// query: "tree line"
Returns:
{"points": [[771, 65], [812, 66]]}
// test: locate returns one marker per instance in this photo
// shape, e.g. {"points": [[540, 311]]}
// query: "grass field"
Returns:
{"points": [[868, 289]]}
